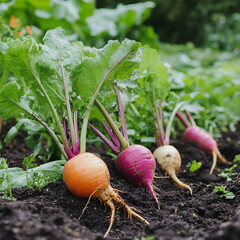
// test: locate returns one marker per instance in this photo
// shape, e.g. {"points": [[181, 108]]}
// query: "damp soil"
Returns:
{"points": [[53, 213]]}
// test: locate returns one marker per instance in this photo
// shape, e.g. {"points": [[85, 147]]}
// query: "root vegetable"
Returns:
{"points": [[87, 176], [202, 139], [167, 156], [169, 159], [136, 163]]}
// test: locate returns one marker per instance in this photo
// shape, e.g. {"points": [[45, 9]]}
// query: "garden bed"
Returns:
{"points": [[53, 212]]}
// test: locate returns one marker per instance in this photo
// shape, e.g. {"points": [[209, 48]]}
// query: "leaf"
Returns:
{"points": [[20, 58], [5, 6], [229, 195], [49, 63], [153, 75], [194, 166], [65, 10], [219, 189], [226, 194], [236, 158], [93, 69], [11, 99], [48, 172], [118, 21]]}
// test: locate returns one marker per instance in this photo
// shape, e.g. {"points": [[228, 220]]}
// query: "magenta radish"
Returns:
{"points": [[167, 156], [201, 138], [136, 162]]}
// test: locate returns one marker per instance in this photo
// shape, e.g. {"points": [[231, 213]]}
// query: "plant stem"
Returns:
{"points": [[121, 111], [52, 134], [9, 182], [52, 108], [69, 112], [110, 144], [76, 129], [182, 119], [156, 135], [90, 105], [122, 140], [170, 121], [111, 134], [159, 122], [190, 118]]}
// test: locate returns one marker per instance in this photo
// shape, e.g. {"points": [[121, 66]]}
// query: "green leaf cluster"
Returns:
{"points": [[37, 91], [194, 166], [35, 177], [5, 182], [38, 72], [149, 80], [225, 193], [228, 173]]}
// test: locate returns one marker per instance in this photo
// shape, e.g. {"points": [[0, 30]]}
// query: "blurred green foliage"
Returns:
{"points": [[80, 19], [213, 22]]}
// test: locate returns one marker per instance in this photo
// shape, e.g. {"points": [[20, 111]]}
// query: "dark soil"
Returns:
{"points": [[53, 212]]}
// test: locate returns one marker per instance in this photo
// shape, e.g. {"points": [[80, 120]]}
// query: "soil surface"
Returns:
{"points": [[53, 212]]}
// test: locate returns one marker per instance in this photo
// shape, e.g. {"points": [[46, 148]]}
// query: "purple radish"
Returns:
{"points": [[136, 163], [202, 139]]}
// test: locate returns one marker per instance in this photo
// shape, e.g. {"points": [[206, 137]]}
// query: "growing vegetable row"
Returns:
{"points": [[67, 78]]}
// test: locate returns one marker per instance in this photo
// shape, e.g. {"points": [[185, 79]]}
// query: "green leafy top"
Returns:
{"points": [[224, 193], [43, 77], [149, 80]]}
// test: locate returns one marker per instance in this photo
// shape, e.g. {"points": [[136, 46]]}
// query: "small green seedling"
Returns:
{"points": [[228, 174], [28, 163], [237, 158], [5, 180], [225, 193], [194, 166]]}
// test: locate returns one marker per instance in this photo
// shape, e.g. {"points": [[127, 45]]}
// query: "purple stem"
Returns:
{"points": [[67, 147], [124, 129], [111, 134], [190, 118], [182, 119], [75, 125], [114, 148]]}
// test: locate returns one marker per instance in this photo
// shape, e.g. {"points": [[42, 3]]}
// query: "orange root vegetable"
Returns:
{"points": [[87, 176], [169, 159]]}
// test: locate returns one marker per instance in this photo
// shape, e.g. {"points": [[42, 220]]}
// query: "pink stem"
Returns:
{"points": [[67, 147], [182, 119], [111, 134], [190, 118], [114, 148], [77, 149]]}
